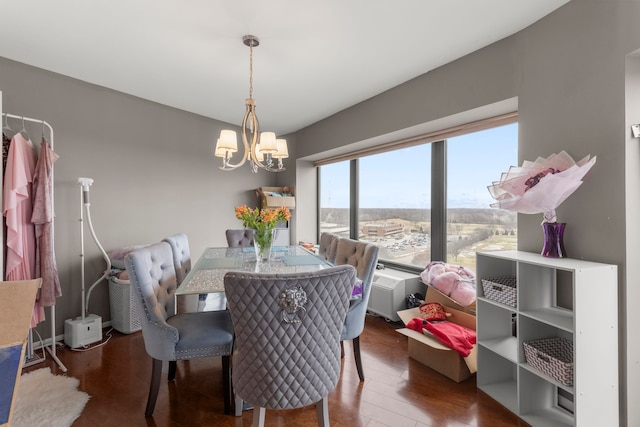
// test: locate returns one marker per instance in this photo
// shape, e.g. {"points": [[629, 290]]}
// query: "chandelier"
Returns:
{"points": [[260, 148]]}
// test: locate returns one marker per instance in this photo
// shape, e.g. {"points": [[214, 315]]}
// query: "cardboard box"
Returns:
{"points": [[437, 296], [284, 198], [430, 352], [16, 305]]}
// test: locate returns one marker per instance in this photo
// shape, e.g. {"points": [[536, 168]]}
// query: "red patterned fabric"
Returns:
{"points": [[432, 311]]}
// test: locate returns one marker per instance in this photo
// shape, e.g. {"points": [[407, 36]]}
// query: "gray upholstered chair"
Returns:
{"points": [[327, 246], [287, 345], [182, 261], [169, 336], [239, 238], [364, 257], [181, 255]]}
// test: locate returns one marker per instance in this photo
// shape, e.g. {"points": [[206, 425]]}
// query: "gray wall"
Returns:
{"points": [[573, 78], [630, 293], [153, 167], [568, 75]]}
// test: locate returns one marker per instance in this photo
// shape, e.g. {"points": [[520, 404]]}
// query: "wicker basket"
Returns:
{"points": [[501, 289], [551, 356], [124, 313]]}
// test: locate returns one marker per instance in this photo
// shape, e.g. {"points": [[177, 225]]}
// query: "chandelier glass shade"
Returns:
{"points": [[260, 148]]}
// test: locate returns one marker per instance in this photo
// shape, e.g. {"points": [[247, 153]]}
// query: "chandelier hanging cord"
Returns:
{"points": [[251, 41]]}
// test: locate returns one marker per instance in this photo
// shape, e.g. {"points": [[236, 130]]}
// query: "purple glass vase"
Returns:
{"points": [[553, 239]]}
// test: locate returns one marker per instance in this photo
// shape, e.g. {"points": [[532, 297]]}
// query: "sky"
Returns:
{"points": [[401, 178]]}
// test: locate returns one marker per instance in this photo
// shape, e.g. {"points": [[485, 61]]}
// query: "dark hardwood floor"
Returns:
{"points": [[397, 392]]}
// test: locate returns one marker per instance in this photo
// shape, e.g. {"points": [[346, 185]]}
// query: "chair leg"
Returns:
{"points": [[341, 349], [239, 406], [226, 383], [356, 354], [172, 370], [156, 374], [258, 417], [322, 409]]}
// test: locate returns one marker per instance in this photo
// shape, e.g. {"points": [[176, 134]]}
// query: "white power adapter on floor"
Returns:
{"points": [[81, 332]]}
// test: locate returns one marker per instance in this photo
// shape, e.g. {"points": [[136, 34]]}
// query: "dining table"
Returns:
{"points": [[207, 274]]}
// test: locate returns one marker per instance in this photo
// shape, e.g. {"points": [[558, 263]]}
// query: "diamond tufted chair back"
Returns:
{"points": [[239, 238], [181, 255], [169, 336], [328, 246], [364, 257], [287, 345]]}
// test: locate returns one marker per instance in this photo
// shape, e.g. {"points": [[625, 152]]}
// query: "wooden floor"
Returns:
{"points": [[397, 392]]}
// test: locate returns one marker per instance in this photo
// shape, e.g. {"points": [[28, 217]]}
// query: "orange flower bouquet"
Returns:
{"points": [[262, 222]]}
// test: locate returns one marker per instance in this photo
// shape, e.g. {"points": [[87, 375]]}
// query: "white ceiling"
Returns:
{"points": [[315, 57]]}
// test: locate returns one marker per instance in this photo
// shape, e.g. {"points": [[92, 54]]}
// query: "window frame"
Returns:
{"points": [[438, 142]]}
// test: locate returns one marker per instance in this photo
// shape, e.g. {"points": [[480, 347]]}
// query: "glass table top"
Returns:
{"points": [[207, 275]]}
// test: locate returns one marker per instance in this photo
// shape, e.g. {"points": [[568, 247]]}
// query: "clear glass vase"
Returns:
{"points": [[262, 242]]}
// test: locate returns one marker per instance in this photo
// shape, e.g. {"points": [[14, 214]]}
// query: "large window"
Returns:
{"points": [[394, 198], [335, 198], [474, 161], [424, 202]]}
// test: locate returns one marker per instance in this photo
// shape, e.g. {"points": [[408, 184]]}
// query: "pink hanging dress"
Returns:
{"points": [[42, 219], [17, 208]]}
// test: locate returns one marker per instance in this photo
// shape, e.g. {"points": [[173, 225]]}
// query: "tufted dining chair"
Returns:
{"points": [[239, 238], [364, 257], [181, 255], [287, 346], [182, 261], [169, 336], [327, 246]]}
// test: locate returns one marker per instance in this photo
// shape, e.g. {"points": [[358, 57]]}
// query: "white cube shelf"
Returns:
{"points": [[556, 297]]}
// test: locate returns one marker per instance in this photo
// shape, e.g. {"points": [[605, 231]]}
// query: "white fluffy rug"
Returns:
{"points": [[47, 400]]}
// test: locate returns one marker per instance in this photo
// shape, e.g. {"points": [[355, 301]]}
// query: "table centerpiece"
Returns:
{"points": [[263, 223]]}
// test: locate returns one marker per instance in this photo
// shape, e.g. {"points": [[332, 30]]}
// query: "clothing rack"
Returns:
{"points": [[31, 358]]}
